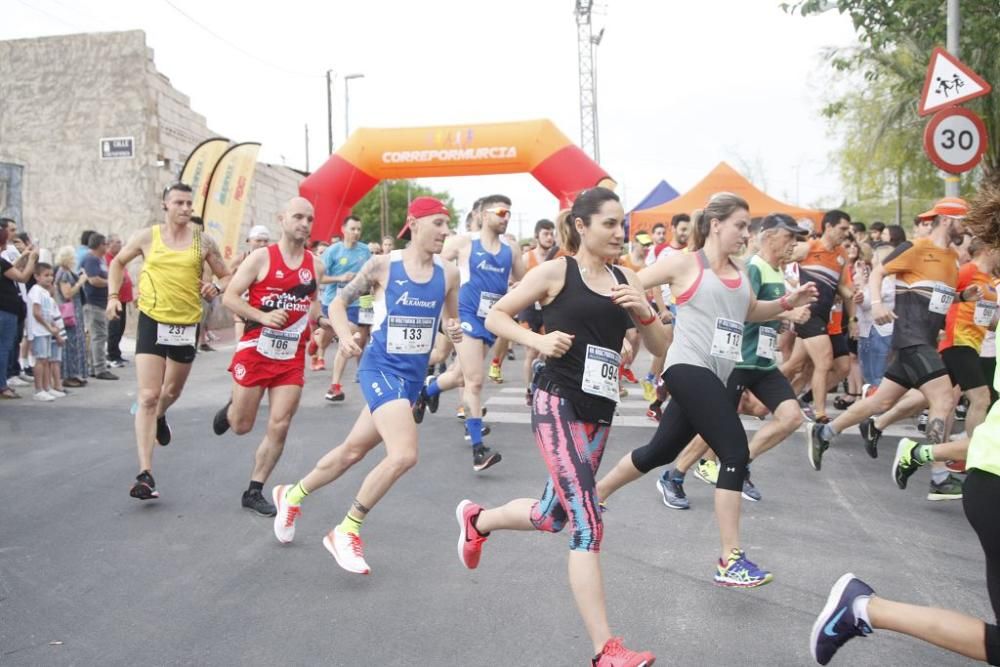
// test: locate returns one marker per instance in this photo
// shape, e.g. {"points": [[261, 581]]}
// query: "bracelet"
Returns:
{"points": [[217, 287], [113, 295], [652, 318], [783, 301]]}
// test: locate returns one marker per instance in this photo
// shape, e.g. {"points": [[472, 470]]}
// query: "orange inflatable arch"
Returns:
{"points": [[372, 154]]}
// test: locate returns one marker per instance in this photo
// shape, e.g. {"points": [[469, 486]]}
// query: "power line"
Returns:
{"points": [[235, 46]]}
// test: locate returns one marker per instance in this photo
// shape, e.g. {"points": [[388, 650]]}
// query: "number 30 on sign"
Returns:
{"points": [[955, 140]]}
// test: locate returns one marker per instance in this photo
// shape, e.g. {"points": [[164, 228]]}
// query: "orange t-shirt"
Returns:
{"points": [[960, 327]]}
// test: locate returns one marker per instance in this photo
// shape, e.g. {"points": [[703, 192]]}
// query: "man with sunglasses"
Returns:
{"points": [[487, 264]]}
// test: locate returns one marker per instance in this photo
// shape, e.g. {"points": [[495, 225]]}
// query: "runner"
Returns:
{"points": [[487, 264], [531, 317], [853, 610], [926, 273], [258, 237], [823, 262], [170, 294], [411, 287], [758, 372], [713, 301], [341, 262], [270, 356], [574, 402]]}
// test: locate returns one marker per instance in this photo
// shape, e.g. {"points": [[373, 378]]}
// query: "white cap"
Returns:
{"points": [[259, 232]]}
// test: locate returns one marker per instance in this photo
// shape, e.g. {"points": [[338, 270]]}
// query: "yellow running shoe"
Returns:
{"points": [[648, 391], [707, 471], [496, 373]]}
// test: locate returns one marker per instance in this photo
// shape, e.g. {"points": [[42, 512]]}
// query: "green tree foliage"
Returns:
{"points": [[399, 195], [876, 111]]}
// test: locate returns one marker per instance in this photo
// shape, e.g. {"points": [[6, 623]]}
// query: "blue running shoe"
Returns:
{"points": [[739, 572], [672, 490], [837, 623]]}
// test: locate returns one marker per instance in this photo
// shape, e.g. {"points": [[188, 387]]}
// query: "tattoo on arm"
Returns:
{"points": [[935, 430], [359, 508], [361, 285]]}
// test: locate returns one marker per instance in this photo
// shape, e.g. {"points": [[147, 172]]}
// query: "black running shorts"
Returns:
{"points": [[964, 368], [915, 366], [814, 326], [770, 387], [145, 342], [840, 346]]}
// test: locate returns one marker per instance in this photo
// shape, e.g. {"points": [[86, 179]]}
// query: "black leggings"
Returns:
{"points": [[701, 405], [980, 498]]}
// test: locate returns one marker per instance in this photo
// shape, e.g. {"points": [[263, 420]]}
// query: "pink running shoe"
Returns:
{"points": [[470, 540], [614, 654], [284, 520]]}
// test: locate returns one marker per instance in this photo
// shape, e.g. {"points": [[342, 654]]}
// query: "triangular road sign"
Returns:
{"points": [[949, 81]]}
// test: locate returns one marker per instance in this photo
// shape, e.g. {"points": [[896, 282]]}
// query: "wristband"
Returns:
{"points": [[652, 318], [217, 287], [784, 303], [113, 295]]}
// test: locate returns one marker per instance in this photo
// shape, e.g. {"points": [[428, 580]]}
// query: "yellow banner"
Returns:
{"points": [[227, 196], [198, 168]]}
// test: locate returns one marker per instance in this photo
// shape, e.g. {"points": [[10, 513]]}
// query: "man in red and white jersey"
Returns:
{"points": [[281, 281]]}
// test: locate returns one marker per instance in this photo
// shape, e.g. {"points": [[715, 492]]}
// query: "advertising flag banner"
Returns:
{"points": [[198, 169], [227, 196]]}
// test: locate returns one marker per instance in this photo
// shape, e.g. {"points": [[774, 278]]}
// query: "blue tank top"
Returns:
{"points": [[484, 278], [406, 320]]}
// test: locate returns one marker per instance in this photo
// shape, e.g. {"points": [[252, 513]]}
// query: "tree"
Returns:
{"points": [[399, 194], [879, 122]]}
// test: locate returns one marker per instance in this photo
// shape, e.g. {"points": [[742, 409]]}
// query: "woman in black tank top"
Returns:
{"points": [[587, 306]]}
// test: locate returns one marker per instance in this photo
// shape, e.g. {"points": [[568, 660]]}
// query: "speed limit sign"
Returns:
{"points": [[955, 140]]}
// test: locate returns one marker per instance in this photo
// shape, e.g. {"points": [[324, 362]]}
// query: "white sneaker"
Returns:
{"points": [[347, 549], [43, 396], [284, 520], [56, 393], [17, 382]]}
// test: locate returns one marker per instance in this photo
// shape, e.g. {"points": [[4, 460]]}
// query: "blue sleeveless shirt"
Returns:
{"points": [[406, 320], [485, 277]]}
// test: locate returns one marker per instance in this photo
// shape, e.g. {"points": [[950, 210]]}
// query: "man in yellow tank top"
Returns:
{"points": [[170, 292]]}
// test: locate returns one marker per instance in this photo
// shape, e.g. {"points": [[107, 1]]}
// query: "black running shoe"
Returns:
{"points": [[163, 433], [144, 488], [483, 457], [220, 424], [420, 406], [815, 445], [871, 436], [486, 431], [432, 401], [255, 501]]}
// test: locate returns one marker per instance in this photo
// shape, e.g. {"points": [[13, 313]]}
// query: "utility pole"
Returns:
{"points": [[307, 146], [951, 181], [588, 85], [329, 111], [347, 103]]}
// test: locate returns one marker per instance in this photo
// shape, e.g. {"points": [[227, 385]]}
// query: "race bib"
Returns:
{"points": [[767, 343], [277, 344], [486, 301], [728, 339], [600, 372], [941, 299], [366, 310], [175, 334], [409, 335], [985, 312]]}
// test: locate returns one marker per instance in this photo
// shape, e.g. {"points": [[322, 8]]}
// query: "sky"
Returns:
{"points": [[681, 85]]}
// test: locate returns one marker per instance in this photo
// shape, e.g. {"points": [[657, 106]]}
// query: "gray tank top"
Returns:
{"points": [[709, 328]]}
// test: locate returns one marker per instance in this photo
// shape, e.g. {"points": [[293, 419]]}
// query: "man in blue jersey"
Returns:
{"points": [[412, 288], [342, 261], [487, 264]]}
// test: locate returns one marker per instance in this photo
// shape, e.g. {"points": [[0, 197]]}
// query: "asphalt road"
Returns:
{"points": [[89, 576]]}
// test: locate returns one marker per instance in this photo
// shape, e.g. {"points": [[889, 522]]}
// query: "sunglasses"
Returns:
{"points": [[502, 213]]}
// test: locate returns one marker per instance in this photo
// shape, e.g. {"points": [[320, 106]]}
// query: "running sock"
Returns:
{"points": [[475, 427], [296, 494], [677, 475], [432, 389], [827, 433], [923, 454], [807, 397], [496, 361], [860, 609], [255, 486], [350, 524], [939, 476]]}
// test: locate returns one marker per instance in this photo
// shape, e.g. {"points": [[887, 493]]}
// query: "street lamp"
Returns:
{"points": [[329, 112], [347, 103]]}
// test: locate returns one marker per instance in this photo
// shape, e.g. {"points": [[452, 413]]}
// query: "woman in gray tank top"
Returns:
{"points": [[713, 300]]}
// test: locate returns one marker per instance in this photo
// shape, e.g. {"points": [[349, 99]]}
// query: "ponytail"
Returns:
{"points": [[586, 204], [720, 206], [569, 238], [699, 229]]}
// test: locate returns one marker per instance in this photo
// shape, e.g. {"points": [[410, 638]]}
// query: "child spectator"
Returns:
{"points": [[43, 332]]}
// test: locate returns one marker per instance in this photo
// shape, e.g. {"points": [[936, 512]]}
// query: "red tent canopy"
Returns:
{"points": [[721, 179]]}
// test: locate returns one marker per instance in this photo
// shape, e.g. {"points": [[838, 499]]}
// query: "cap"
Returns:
{"points": [[953, 207], [781, 221], [644, 239], [259, 232], [422, 207]]}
